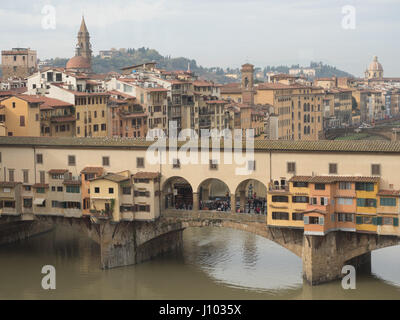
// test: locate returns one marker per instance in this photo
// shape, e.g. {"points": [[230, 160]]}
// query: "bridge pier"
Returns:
{"points": [[324, 256]]}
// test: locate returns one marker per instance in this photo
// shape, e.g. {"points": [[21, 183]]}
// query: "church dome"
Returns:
{"points": [[77, 63], [375, 65]]}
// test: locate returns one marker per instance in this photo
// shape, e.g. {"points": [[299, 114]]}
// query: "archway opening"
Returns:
{"points": [[251, 197], [214, 195], [177, 194]]}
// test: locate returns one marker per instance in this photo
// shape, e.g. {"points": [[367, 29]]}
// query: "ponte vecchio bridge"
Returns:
{"points": [[136, 209]]}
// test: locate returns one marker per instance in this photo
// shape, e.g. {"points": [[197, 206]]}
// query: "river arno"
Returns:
{"points": [[214, 264]]}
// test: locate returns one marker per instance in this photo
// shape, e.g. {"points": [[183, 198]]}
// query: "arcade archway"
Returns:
{"points": [[214, 195], [177, 194], [251, 197]]}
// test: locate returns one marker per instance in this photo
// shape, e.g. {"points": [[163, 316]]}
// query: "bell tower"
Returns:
{"points": [[83, 47], [248, 83]]}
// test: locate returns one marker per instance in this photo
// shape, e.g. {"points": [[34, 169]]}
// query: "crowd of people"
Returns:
{"points": [[216, 205]]}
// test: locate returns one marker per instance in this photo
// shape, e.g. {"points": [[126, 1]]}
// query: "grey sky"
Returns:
{"points": [[216, 32]]}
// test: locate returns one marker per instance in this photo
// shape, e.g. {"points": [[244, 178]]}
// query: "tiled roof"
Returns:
{"points": [[146, 175], [40, 185], [326, 146], [98, 170], [72, 182], [63, 119], [216, 102], [58, 171], [121, 94], [314, 210], [333, 179], [8, 184], [113, 177], [389, 193]]}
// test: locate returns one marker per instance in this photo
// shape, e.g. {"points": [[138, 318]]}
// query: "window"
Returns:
{"points": [[345, 201], [313, 220], [366, 202], [40, 190], [60, 189], [97, 190], [39, 158], [213, 165], [28, 203], [376, 169], [388, 221], [251, 165], [71, 161], [126, 190], [324, 201], [22, 121], [106, 161], [25, 174], [53, 189], [176, 164], [103, 127], [110, 190], [319, 186], [297, 216], [139, 162], [333, 168], [291, 167], [300, 184], [389, 202], [42, 176], [280, 215], [300, 199], [345, 185], [55, 204], [95, 127], [73, 189], [280, 199], [11, 175], [345, 217], [364, 186]]}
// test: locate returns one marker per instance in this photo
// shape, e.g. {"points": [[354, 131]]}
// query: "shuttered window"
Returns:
{"points": [[389, 202]]}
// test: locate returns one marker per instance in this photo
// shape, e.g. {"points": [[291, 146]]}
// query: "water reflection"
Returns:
{"points": [[214, 264]]}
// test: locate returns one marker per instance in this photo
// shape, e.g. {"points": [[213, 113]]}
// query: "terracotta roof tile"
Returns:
{"points": [[146, 175], [333, 179], [389, 193], [58, 171], [98, 170], [8, 184]]}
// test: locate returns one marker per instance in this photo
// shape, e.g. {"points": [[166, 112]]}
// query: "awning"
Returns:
{"points": [[38, 202]]}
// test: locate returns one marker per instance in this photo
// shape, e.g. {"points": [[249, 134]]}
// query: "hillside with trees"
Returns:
{"points": [[126, 57]]}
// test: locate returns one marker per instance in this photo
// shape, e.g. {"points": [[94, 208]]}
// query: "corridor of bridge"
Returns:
{"points": [[177, 194], [214, 195], [251, 197]]}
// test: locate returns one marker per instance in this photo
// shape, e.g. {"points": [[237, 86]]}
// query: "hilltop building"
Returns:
{"points": [[18, 63]]}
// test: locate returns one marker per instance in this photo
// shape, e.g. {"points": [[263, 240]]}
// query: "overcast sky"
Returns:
{"points": [[225, 33]]}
